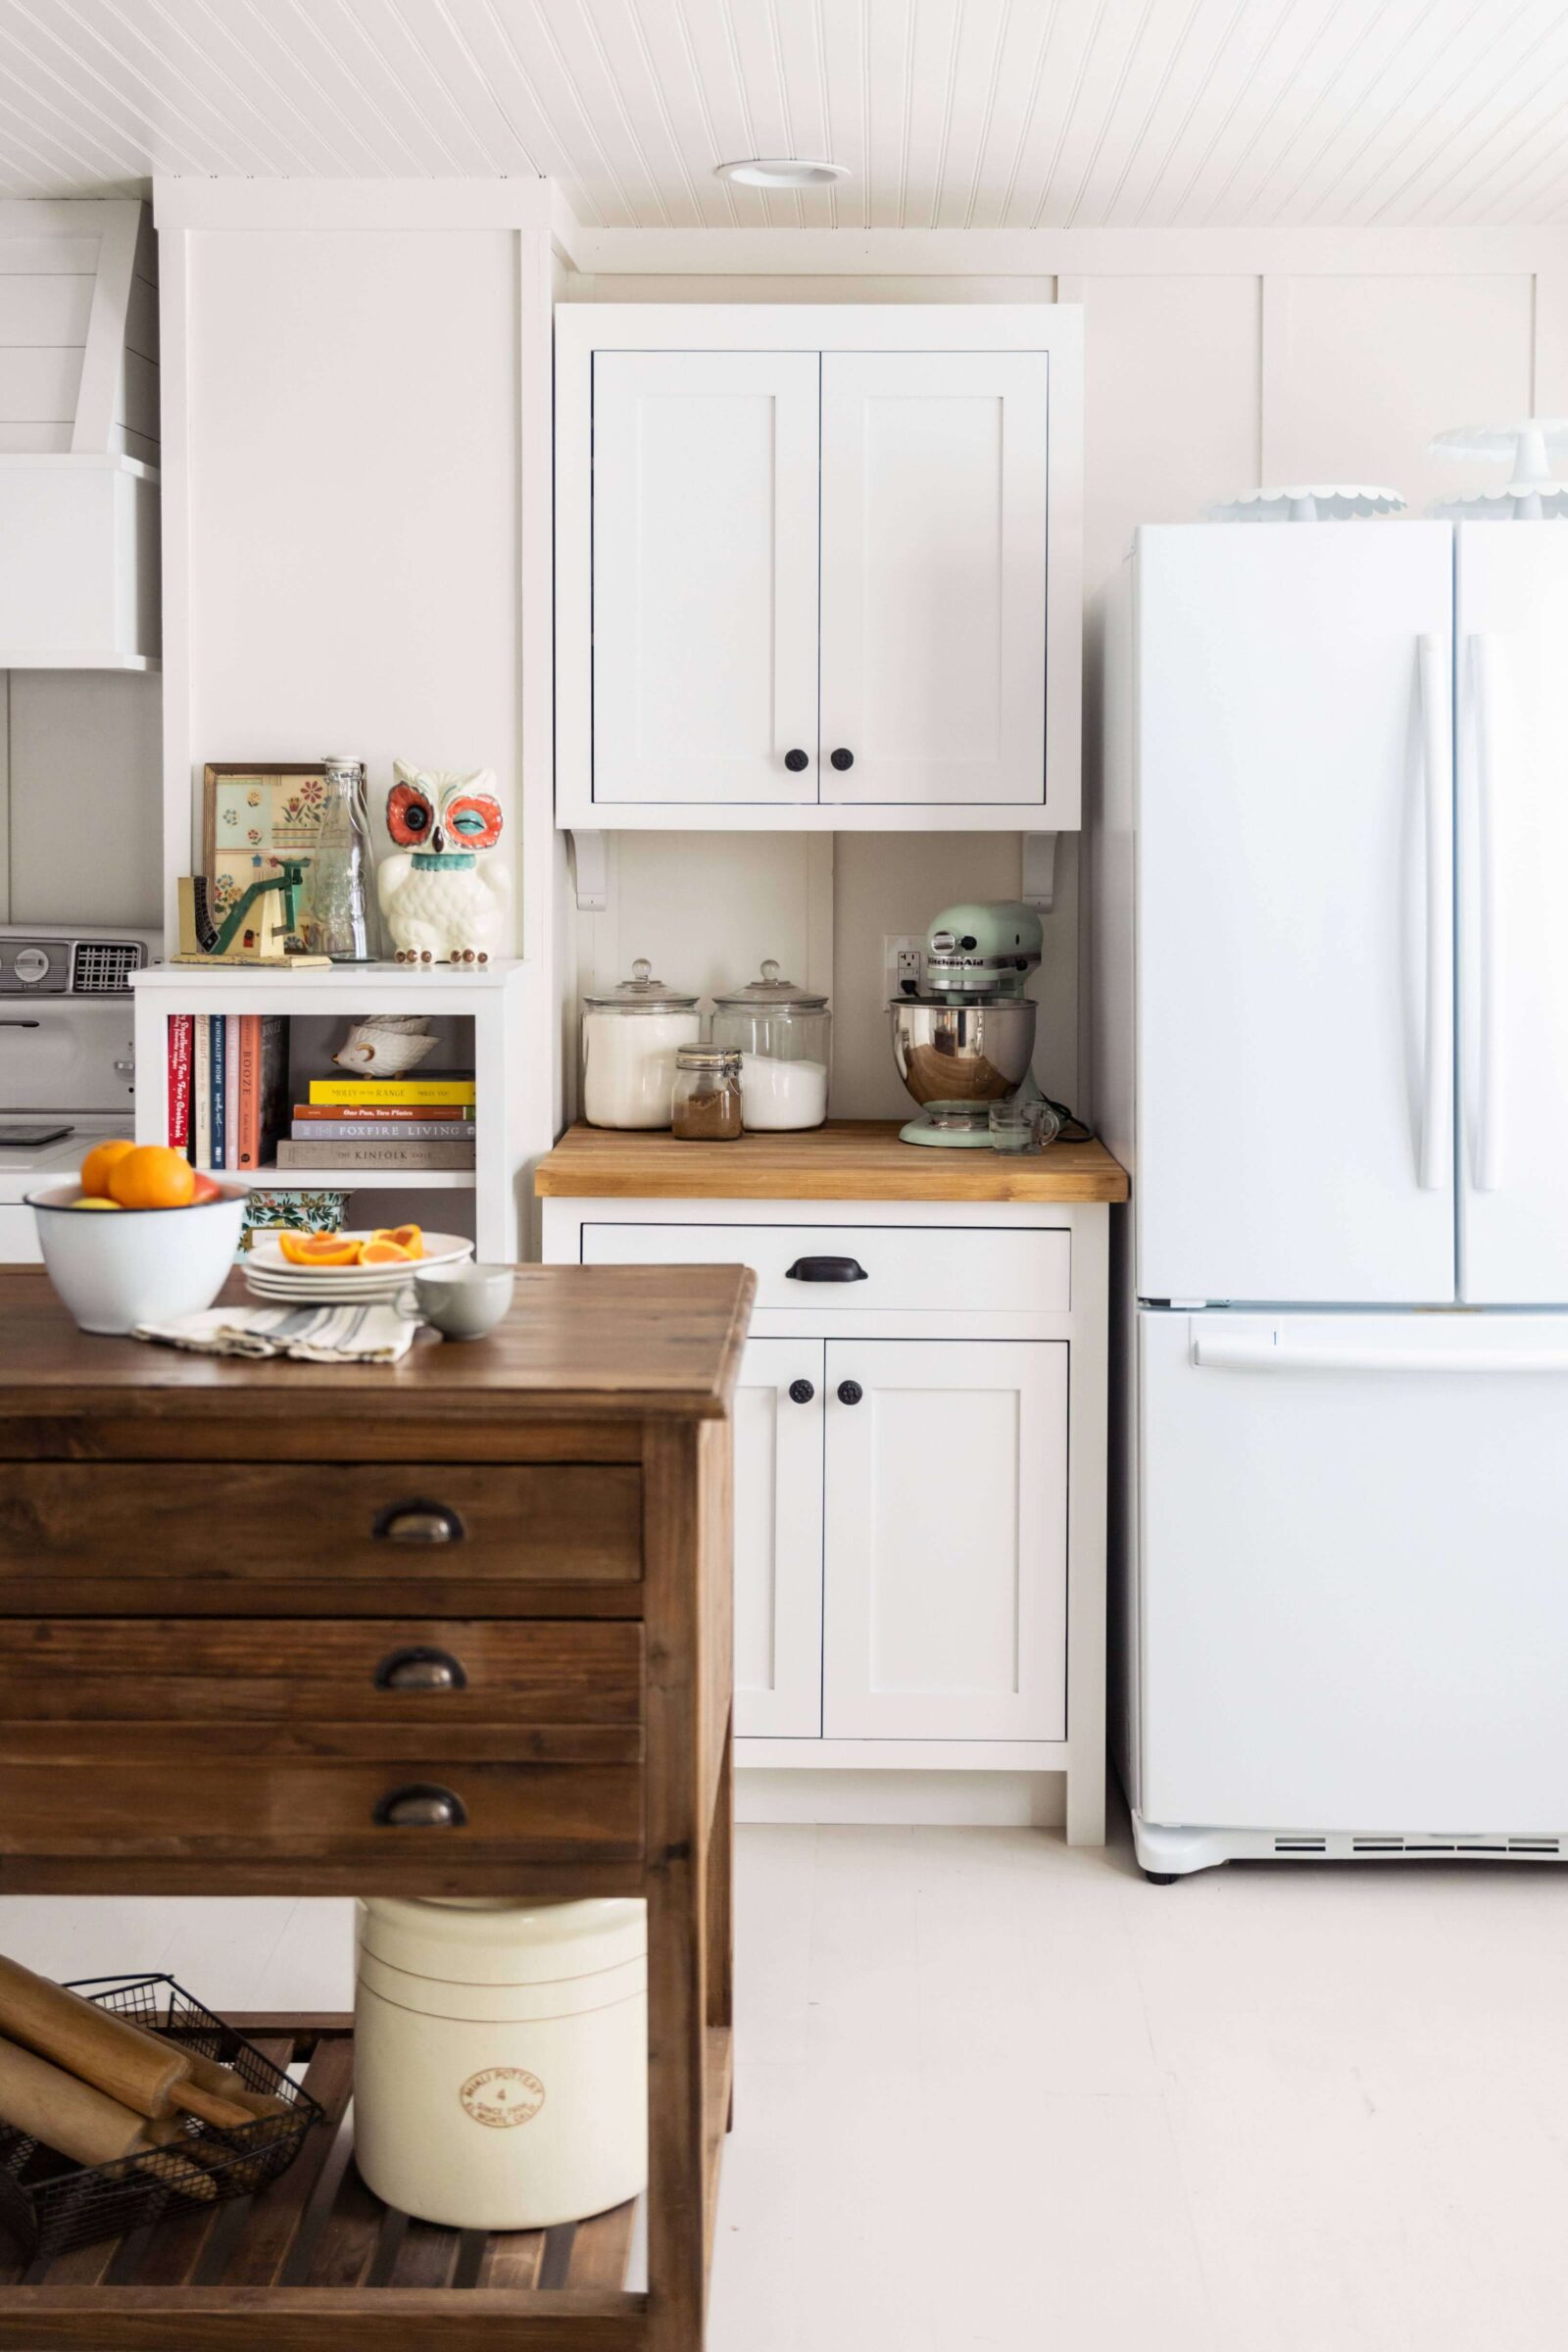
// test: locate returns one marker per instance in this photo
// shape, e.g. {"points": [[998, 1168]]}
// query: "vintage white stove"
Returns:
{"points": [[67, 1071]]}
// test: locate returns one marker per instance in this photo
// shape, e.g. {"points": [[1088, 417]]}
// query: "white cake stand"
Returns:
{"points": [[1306, 502], [1532, 494]]}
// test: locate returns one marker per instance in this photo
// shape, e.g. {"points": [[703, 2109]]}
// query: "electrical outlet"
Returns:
{"points": [[903, 961]]}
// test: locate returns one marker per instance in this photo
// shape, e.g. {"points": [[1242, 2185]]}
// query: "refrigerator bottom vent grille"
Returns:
{"points": [[1345, 1847]]}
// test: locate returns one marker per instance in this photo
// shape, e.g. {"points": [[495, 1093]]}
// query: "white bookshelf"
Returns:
{"points": [[494, 999]]}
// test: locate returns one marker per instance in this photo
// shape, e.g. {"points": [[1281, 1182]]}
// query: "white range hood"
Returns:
{"points": [[78, 437]]}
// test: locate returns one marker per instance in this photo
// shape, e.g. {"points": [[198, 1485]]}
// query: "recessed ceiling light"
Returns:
{"points": [[783, 171]]}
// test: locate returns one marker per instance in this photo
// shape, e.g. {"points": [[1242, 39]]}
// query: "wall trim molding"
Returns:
{"points": [[1055, 252], [179, 202]]}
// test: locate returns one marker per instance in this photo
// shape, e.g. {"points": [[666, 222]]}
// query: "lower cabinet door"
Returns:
{"points": [[946, 1571], [778, 1540]]}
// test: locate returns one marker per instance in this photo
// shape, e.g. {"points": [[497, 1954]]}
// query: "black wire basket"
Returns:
{"points": [[48, 2204]]}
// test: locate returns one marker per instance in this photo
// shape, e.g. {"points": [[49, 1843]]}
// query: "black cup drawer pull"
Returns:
{"points": [[423, 1806], [420, 1670], [417, 1523], [826, 1269]]}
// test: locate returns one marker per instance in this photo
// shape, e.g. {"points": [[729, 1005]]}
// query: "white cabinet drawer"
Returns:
{"points": [[915, 1268], [18, 1238]]}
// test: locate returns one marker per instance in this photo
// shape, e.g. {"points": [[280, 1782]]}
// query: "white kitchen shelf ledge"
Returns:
{"points": [[273, 1179]]}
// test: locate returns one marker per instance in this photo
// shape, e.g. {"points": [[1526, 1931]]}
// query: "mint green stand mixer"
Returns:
{"points": [[963, 1036]]}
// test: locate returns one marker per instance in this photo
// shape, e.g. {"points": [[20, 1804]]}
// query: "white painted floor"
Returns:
{"points": [[995, 2093]]}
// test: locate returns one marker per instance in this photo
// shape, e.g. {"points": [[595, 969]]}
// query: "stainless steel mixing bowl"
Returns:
{"points": [[962, 1053]]}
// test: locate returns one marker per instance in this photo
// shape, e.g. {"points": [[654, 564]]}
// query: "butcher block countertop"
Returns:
{"points": [[848, 1159], [580, 1343]]}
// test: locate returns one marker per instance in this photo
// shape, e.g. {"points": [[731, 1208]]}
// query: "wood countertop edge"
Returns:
{"points": [[849, 1161]]}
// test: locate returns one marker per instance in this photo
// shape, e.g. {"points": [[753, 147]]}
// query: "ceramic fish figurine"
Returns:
{"points": [[386, 1046], [445, 899]]}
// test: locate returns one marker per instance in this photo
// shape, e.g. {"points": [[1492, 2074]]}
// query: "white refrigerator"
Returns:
{"points": [[1330, 1040]]}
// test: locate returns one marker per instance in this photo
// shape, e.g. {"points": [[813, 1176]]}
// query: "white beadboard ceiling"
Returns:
{"points": [[950, 114]]}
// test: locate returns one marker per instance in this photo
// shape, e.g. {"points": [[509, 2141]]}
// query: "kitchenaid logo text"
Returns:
{"points": [[503, 2095]]}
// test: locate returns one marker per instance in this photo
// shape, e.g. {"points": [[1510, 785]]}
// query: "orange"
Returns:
{"points": [[152, 1176], [383, 1250], [320, 1249], [98, 1162], [409, 1238]]}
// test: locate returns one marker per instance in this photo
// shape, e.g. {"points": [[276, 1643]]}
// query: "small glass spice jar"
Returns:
{"points": [[707, 1104]]}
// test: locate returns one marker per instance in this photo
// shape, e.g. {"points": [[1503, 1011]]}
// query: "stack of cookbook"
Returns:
{"points": [[227, 1087], [412, 1122]]}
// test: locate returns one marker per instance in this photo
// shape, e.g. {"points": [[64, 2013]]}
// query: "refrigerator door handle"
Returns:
{"points": [[1435, 1162], [1488, 1007], [1265, 1352]]}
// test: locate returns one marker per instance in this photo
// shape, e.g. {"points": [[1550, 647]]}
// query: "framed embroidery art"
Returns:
{"points": [[253, 815]]}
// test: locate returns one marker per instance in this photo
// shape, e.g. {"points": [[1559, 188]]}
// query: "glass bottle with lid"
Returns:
{"points": [[781, 1033], [630, 1037], [707, 1094]]}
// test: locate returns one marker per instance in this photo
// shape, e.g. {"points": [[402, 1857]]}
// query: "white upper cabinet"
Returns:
{"points": [[704, 561], [934, 525], [819, 568]]}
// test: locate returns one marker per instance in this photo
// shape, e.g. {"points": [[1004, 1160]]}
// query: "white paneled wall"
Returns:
{"points": [[48, 273], [1202, 380]]}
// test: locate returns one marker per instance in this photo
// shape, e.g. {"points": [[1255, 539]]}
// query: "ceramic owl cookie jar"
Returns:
{"points": [[443, 897]]}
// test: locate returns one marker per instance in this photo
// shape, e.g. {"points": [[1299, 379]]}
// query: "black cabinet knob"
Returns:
{"points": [[800, 1391], [849, 1392], [795, 760], [843, 759]]}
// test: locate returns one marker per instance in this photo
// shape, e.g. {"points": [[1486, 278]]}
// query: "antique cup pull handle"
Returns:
{"points": [[417, 1523], [423, 1806], [826, 1269], [420, 1670]]}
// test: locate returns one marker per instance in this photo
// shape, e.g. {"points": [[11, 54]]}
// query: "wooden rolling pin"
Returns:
{"points": [[81, 2123], [153, 2076], [207, 2074]]}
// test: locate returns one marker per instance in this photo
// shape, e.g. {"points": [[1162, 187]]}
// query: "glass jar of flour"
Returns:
{"points": [[781, 1034], [630, 1037]]}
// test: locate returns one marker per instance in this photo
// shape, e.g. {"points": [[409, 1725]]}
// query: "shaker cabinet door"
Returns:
{"points": [[947, 1540], [778, 1540], [705, 577], [934, 576]]}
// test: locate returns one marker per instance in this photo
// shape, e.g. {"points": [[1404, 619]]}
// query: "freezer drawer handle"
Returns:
{"points": [[1240, 1352]]}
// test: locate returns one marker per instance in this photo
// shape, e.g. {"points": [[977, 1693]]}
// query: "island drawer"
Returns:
{"points": [[229, 1525], [831, 1269], [534, 1676], [196, 1795]]}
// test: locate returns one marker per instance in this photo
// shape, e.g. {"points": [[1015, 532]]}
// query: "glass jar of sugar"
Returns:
{"points": [[781, 1033], [630, 1037]]}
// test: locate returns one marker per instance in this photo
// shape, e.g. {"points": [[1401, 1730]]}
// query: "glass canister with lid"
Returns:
{"points": [[630, 1037], [781, 1033]]}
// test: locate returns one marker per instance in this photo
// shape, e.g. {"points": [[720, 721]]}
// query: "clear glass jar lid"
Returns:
{"points": [[642, 993], [725, 1058], [771, 995]]}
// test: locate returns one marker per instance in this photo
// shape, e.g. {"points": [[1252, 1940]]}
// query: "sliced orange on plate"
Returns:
{"points": [[320, 1249], [409, 1239], [383, 1250]]}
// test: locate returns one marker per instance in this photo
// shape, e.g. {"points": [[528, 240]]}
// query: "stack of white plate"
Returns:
{"points": [[270, 1275]]}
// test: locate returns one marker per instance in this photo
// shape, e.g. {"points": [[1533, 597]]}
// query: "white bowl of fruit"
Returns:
{"points": [[141, 1237]]}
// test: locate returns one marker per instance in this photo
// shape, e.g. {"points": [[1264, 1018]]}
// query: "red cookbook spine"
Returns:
{"points": [[181, 1045], [249, 1089]]}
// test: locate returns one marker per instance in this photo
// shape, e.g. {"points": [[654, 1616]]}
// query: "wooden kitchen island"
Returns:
{"points": [[209, 1570]]}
